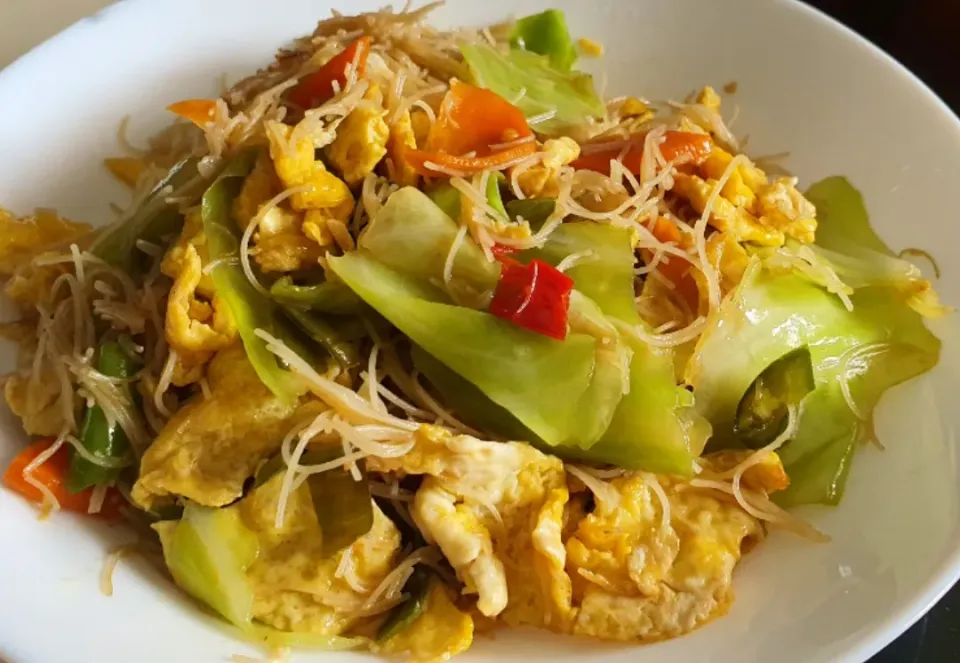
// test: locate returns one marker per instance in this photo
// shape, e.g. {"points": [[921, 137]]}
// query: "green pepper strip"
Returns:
{"points": [[326, 297], [762, 413], [101, 438], [403, 615], [324, 334]]}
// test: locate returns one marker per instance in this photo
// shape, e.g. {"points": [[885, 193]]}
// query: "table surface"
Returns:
{"points": [[919, 33]]}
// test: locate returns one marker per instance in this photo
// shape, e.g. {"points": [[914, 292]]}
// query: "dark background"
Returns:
{"points": [[924, 35]]}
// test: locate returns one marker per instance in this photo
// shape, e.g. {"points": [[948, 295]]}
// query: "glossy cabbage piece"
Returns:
{"points": [[208, 552], [879, 344], [848, 245], [435, 630], [447, 198], [605, 273], [611, 371], [654, 426], [409, 216], [569, 94], [413, 235], [471, 405], [538, 379]]}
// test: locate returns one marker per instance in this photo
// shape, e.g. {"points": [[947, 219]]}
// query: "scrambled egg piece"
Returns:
{"points": [[316, 227], [495, 510], [641, 576], [176, 259], [634, 108], [744, 180], [193, 328], [421, 125], [708, 97], [781, 205], [296, 166], [212, 445], [440, 632], [126, 169], [752, 207], [259, 186], [35, 402], [652, 560], [285, 240], [361, 140], [282, 244], [296, 587], [290, 240], [402, 137], [746, 173], [23, 238], [725, 215], [729, 257], [590, 48], [32, 285], [541, 181]]}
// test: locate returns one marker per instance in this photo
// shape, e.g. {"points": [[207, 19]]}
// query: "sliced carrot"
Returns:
{"points": [[674, 268], [318, 87], [198, 111], [473, 121], [53, 475], [678, 147], [685, 147], [467, 165], [666, 230], [126, 169]]}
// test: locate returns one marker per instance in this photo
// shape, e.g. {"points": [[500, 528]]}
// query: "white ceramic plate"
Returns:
{"points": [[806, 85]]}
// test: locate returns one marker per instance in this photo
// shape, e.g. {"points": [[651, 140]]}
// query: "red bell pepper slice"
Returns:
{"points": [[471, 120], [535, 296], [316, 88], [679, 147]]}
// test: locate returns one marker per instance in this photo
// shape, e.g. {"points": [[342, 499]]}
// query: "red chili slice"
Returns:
{"points": [[535, 296]]}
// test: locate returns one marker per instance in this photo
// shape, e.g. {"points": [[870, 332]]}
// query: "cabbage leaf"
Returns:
{"points": [[879, 344], [208, 552], [413, 235], [538, 379], [848, 254], [536, 85]]}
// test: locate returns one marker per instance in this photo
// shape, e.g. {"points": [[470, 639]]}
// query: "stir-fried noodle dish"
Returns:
{"points": [[413, 335]]}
